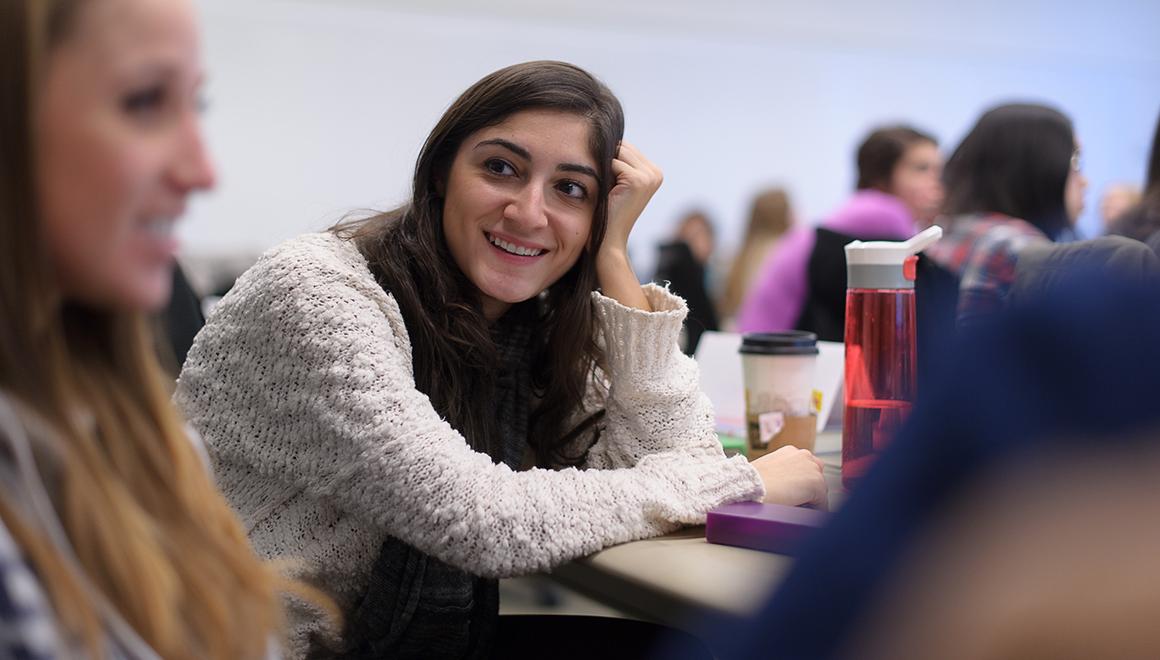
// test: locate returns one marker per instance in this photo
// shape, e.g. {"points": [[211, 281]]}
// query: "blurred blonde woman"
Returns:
{"points": [[113, 539], [770, 217]]}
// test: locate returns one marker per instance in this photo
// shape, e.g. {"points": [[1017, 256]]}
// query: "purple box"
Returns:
{"points": [[769, 527]]}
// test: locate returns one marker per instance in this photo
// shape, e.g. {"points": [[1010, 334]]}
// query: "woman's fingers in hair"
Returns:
{"points": [[629, 155], [637, 180]]}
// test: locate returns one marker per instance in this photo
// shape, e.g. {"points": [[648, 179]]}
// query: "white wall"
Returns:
{"points": [[319, 107]]}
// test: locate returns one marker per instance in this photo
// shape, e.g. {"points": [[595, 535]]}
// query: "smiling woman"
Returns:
{"points": [[120, 147], [517, 210], [114, 541], [404, 401]]}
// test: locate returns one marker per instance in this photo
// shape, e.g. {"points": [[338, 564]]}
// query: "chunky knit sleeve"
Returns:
{"points": [[653, 400], [304, 374]]}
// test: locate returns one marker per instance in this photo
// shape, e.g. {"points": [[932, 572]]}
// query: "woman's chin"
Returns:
{"points": [[510, 295]]}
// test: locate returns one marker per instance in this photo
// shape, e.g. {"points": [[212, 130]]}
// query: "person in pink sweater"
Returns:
{"points": [[899, 190]]}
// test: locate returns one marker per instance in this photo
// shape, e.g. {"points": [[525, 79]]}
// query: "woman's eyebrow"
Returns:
{"points": [[526, 155], [510, 146], [579, 169]]}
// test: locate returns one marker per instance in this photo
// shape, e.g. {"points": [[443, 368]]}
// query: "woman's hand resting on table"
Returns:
{"points": [[793, 477]]}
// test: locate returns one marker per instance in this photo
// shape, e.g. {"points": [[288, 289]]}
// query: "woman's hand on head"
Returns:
{"points": [[637, 180], [793, 477]]}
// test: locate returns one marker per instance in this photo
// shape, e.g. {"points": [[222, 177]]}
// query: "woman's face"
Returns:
{"points": [[697, 233], [119, 149], [518, 205], [917, 181]]}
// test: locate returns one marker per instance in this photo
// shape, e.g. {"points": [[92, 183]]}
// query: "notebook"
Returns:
{"points": [[768, 527]]}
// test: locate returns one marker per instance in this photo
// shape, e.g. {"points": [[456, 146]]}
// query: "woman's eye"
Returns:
{"points": [[144, 101], [500, 167], [573, 189]]}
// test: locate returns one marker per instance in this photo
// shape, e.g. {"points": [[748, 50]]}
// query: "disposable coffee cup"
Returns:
{"points": [[780, 404]]}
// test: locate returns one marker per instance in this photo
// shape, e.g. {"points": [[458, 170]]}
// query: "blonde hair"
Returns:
{"points": [[769, 218], [147, 526]]}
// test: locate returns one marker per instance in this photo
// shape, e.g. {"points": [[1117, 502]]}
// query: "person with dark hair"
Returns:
{"points": [[1142, 222], [681, 265], [1117, 199], [898, 190], [1013, 182], [471, 386], [904, 162]]}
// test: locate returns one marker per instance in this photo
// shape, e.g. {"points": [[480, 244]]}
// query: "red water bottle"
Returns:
{"points": [[880, 346]]}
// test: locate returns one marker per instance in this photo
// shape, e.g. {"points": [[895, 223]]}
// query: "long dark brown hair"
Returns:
{"points": [[455, 358], [1015, 161]]}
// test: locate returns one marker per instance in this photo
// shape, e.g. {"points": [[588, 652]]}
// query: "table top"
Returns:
{"points": [[673, 577]]}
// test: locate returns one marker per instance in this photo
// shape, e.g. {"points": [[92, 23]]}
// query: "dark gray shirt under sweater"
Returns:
{"points": [[416, 606]]}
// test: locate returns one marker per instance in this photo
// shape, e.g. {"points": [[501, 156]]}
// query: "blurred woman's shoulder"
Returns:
{"points": [[27, 624]]}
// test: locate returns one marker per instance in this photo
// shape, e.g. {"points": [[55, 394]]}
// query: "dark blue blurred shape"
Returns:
{"points": [[1078, 360]]}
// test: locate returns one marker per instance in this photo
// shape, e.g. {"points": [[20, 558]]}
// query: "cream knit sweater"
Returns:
{"points": [[302, 387]]}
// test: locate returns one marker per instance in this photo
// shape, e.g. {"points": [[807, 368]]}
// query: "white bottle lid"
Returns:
{"points": [[886, 264], [889, 253]]}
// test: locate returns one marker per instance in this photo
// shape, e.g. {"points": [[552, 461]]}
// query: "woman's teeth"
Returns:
{"points": [[514, 249]]}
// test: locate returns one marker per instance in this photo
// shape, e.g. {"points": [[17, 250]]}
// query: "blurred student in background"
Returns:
{"points": [[683, 263], [898, 190], [1118, 199], [770, 217], [1142, 222], [1013, 182], [114, 541]]}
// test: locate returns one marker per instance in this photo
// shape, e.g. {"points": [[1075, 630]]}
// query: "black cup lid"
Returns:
{"points": [[780, 343]]}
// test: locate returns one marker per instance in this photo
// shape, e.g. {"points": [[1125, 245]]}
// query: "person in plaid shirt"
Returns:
{"points": [[1013, 182]]}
